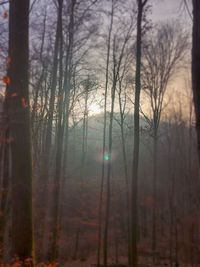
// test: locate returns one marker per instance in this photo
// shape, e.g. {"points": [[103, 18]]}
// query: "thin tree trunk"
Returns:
{"points": [[48, 137], [67, 87], [57, 179], [76, 244], [196, 66], [107, 213], [134, 186], [154, 228], [85, 128], [126, 177], [52, 91], [116, 69], [116, 249], [104, 140]]}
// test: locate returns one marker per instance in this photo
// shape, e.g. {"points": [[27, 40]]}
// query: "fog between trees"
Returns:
{"points": [[98, 148]]}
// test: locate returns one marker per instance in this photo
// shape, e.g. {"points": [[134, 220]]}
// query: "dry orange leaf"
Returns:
{"points": [[5, 15], [13, 95], [6, 80], [23, 102]]}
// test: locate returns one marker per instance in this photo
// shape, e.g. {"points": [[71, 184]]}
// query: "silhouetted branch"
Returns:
{"points": [[31, 7], [4, 2]]}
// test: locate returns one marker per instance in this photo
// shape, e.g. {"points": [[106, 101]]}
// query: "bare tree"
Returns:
{"points": [[134, 185], [57, 178], [104, 136], [162, 54]]}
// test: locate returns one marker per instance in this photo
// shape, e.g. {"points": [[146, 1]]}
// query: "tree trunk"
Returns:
{"points": [[5, 185], [196, 66], [104, 140], [126, 178], [57, 179], [154, 228], [134, 186], [19, 126], [67, 85], [48, 136], [108, 194]]}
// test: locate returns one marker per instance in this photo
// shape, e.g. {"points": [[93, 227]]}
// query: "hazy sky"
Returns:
{"points": [[167, 10], [170, 9]]}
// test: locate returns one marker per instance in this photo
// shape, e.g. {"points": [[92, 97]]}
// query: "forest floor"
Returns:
{"points": [[88, 263], [91, 262]]}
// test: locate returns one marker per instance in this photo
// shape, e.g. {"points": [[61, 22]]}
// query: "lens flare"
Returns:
{"points": [[106, 157]]}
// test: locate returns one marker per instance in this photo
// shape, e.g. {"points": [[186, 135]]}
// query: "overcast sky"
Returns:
{"points": [[170, 9]]}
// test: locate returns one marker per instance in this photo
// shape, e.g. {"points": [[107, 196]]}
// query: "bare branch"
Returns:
{"points": [[4, 2], [32, 5], [144, 3], [187, 9]]}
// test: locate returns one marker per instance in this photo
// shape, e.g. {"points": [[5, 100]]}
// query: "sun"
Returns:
{"points": [[94, 109]]}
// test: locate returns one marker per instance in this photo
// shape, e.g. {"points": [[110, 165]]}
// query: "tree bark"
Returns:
{"points": [[196, 67], [154, 228], [134, 185], [17, 101], [104, 139], [54, 249]]}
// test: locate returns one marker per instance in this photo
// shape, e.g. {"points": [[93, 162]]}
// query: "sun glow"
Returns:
{"points": [[94, 109]]}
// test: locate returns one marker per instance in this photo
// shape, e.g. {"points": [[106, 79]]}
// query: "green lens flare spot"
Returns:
{"points": [[106, 157]]}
